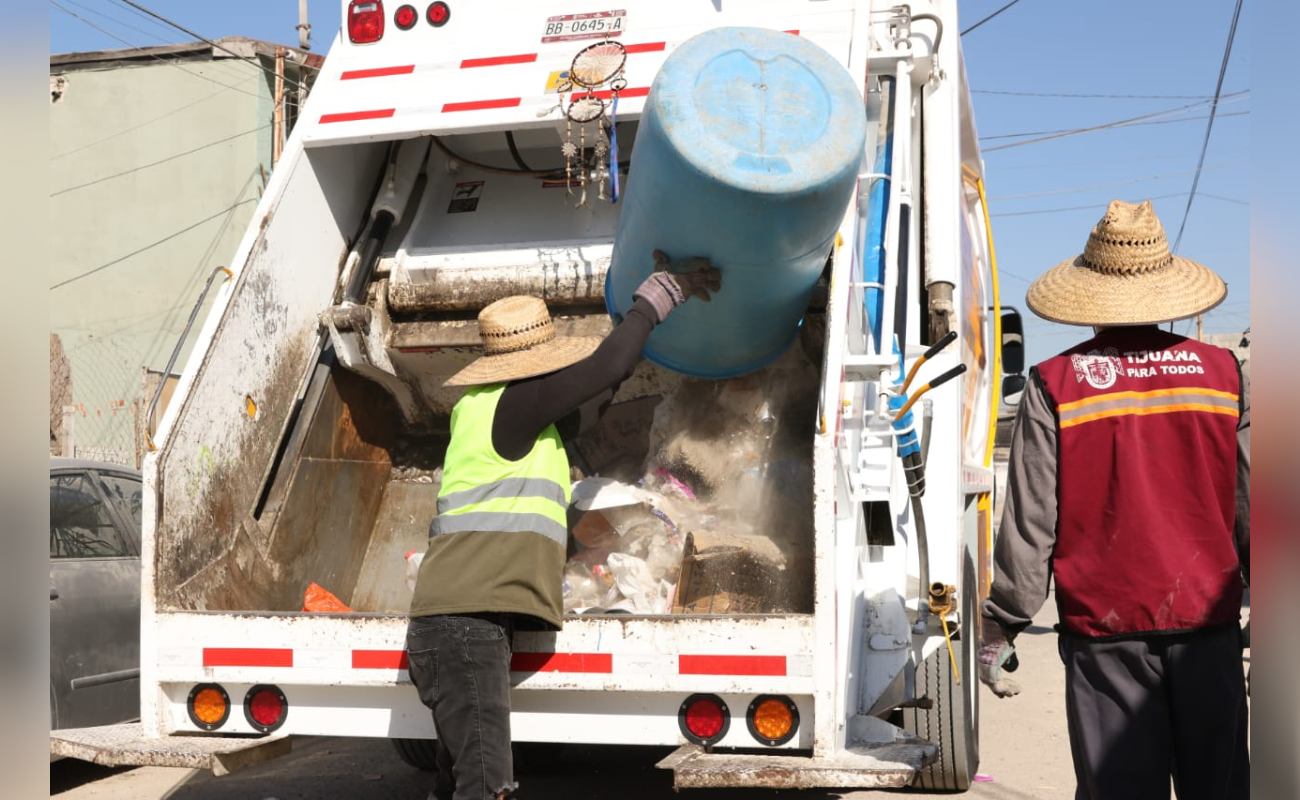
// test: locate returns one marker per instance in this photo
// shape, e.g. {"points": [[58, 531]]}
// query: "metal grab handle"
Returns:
{"points": [[171, 362], [947, 339], [944, 378]]}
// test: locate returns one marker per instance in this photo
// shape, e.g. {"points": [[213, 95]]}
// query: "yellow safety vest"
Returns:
{"points": [[481, 491]]}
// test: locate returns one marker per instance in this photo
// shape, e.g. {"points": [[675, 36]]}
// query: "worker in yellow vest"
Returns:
{"points": [[497, 545]]}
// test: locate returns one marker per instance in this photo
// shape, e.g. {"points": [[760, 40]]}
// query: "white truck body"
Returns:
{"points": [[261, 466]]}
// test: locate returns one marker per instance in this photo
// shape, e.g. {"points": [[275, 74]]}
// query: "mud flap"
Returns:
{"points": [[126, 745], [881, 766]]}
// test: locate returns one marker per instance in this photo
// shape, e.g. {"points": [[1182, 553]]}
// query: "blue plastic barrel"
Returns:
{"points": [[747, 153]]}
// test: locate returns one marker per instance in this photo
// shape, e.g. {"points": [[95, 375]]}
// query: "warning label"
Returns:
{"points": [[465, 197]]}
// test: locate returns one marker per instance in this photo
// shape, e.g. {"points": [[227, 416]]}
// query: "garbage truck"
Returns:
{"points": [[455, 153]]}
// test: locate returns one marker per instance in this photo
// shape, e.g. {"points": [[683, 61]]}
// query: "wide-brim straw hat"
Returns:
{"points": [[1126, 276], [519, 341]]}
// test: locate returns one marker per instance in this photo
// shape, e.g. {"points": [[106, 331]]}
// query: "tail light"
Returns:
{"points": [[265, 708], [208, 706], [405, 17], [365, 21], [704, 719], [438, 14], [772, 720]]}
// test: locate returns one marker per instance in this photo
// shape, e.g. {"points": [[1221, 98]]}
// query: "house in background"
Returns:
{"points": [[158, 156]]}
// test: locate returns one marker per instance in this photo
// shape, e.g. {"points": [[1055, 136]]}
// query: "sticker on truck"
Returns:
{"points": [[465, 197], [570, 27]]}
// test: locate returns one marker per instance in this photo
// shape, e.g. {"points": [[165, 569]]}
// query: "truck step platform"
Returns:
{"points": [[126, 745], [881, 766]]}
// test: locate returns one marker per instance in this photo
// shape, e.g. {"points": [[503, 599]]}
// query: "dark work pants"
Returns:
{"points": [[461, 667], [1142, 710]]}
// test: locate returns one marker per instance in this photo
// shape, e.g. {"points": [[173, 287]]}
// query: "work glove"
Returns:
{"points": [[996, 656], [673, 282]]}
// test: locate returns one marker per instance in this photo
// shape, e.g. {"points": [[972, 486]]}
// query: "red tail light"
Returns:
{"points": [[265, 708], [438, 14], [704, 719], [406, 17], [365, 21]]}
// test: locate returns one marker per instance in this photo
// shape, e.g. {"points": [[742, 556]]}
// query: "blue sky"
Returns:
{"points": [[1044, 196]]}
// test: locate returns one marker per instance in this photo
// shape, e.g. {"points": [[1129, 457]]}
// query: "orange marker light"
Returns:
{"points": [[209, 706], [772, 720]]}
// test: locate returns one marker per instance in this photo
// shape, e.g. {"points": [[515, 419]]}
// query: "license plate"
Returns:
{"points": [[568, 27]]}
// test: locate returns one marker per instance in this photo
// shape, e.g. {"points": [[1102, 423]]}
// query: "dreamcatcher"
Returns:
{"points": [[596, 66]]}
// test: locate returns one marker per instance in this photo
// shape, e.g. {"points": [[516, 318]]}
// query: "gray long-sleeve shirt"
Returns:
{"points": [[1022, 555]]}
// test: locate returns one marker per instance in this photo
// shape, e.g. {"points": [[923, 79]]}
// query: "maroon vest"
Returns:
{"points": [[1147, 447]]}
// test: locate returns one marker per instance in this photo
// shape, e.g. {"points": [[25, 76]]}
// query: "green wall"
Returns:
{"points": [[165, 226]]}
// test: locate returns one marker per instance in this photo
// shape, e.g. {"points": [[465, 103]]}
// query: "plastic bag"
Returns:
{"points": [[633, 579], [320, 600], [413, 560]]}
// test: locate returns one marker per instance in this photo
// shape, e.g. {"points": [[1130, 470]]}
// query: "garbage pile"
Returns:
{"points": [[721, 520]]}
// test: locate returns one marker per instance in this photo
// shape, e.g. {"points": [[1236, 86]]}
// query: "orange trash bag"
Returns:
{"points": [[321, 600]]}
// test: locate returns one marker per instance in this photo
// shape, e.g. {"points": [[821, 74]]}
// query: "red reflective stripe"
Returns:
{"points": [[247, 657], [606, 93], [731, 665], [352, 116], [562, 662], [795, 31], [379, 659], [496, 61], [378, 72], [479, 105], [652, 47]]}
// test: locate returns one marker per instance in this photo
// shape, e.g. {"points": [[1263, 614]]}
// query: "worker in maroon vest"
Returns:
{"points": [[1129, 480]]}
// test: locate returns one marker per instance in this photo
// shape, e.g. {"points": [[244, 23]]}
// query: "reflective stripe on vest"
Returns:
{"points": [[1157, 401], [481, 491]]}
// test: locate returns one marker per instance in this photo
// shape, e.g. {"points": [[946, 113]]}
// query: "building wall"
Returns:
{"points": [[129, 254]]}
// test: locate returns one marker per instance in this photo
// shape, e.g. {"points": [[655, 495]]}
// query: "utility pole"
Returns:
{"points": [[303, 26], [1199, 330], [277, 125]]}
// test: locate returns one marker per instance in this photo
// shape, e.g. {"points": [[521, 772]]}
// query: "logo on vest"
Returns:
{"points": [[1099, 369]]}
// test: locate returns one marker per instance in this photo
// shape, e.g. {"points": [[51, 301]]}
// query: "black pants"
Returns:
{"points": [[461, 667], [1140, 711]]}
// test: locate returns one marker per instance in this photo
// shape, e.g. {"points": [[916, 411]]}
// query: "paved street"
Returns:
{"points": [[1024, 751]]}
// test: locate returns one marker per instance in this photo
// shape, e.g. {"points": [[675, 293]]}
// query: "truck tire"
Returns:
{"points": [[418, 753], [529, 757], [953, 721]]}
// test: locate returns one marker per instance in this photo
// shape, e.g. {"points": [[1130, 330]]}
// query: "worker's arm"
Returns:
{"points": [[1027, 533], [1241, 530], [577, 394], [586, 388]]}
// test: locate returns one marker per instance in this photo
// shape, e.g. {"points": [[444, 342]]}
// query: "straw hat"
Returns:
{"points": [[1126, 276], [519, 341]]}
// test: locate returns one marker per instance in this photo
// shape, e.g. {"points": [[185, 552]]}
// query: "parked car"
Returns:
{"points": [[94, 593]]}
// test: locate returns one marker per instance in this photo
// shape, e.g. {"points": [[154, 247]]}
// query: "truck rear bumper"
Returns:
{"points": [[881, 766], [127, 745]]}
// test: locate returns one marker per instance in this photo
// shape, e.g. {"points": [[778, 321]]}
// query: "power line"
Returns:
{"points": [[1095, 162], [1116, 183], [128, 26], [167, 61], [1239, 95], [1107, 126], [1094, 205], [159, 161], [250, 59], [989, 17], [147, 122], [1209, 126], [1097, 96], [150, 246]]}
